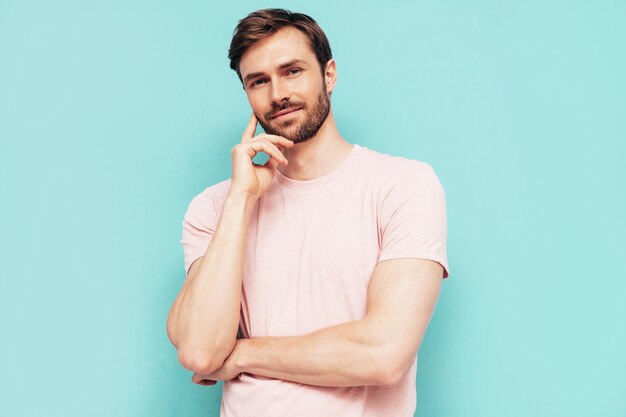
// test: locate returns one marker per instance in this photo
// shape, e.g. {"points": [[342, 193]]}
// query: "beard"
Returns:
{"points": [[290, 129]]}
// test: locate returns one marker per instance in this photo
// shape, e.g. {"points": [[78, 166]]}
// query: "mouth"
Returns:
{"points": [[284, 112]]}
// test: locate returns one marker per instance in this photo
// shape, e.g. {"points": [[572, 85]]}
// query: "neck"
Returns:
{"points": [[317, 156]]}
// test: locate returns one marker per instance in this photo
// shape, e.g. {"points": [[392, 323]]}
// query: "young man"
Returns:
{"points": [[330, 256]]}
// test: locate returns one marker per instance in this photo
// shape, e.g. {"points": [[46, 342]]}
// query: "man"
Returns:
{"points": [[330, 256]]}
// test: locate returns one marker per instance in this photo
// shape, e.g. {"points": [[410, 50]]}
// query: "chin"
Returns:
{"points": [[287, 131]]}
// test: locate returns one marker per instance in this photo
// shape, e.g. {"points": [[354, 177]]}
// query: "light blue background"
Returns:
{"points": [[114, 115]]}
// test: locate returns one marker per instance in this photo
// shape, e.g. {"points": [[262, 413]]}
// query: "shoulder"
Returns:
{"points": [[211, 198], [391, 169]]}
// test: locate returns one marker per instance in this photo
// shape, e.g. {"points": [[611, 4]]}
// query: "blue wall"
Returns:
{"points": [[113, 115]]}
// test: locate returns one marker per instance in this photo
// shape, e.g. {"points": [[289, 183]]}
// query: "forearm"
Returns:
{"points": [[208, 311], [344, 355]]}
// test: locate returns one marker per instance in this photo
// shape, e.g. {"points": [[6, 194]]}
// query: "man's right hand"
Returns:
{"points": [[251, 178]]}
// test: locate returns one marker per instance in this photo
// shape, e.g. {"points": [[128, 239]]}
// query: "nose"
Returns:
{"points": [[280, 91]]}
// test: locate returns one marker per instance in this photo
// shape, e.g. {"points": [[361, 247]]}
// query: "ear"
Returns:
{"points": [[330, 75]]}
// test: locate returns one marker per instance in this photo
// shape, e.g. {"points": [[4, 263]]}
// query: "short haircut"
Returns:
{"points": [[265, 22]]}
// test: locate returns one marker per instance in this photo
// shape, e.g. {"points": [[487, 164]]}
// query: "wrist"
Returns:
{"points": [[235, 195], [240, 355], [238, 200]]}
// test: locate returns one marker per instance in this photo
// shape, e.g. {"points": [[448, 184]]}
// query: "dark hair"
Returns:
{"points": [[265, 22]]}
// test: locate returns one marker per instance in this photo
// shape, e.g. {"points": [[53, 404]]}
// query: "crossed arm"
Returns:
{"points": [[377, 350]]}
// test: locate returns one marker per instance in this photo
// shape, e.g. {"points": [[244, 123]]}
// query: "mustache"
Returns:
{"points": [[286, 105]]}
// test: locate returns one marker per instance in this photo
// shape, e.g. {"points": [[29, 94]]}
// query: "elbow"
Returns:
{"points": [[170, 327], [393, 370], [389, 376], [170, 334], [198, 354], [199, 363], [205, 361]]}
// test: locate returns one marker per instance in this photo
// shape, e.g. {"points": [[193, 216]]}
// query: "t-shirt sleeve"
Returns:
{"points": [[413, 217], [199, 224]]}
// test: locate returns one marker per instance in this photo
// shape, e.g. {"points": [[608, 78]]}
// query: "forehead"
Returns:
{"points": [[283, 46]]}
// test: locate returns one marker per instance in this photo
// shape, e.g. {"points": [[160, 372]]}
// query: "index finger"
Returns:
{"points": [[250, 129]]}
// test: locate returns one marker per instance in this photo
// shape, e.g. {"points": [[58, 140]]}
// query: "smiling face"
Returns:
{"points": [[285, 87]]}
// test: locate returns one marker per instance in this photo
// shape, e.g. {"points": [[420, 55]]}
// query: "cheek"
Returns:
{"points": [[256, 104], [259, 106], [252, 100], [311, 89]]}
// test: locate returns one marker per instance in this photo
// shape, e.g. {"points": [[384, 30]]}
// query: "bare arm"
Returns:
{"points": [[344, 355], [204, 319], [377, 350]]}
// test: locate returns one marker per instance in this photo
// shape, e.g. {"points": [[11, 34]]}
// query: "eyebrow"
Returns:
{"points": [[281, 66]]}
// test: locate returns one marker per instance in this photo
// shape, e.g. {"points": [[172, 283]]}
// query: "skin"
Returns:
{"points": [[377, 350], [300, 84], [402, 294]]}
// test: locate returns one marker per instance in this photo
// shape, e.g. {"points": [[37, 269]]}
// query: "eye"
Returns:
{"points": [[257, 82], [294, 71]]}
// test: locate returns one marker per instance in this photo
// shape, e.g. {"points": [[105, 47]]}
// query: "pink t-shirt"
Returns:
{"points": [[312, 247]]}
